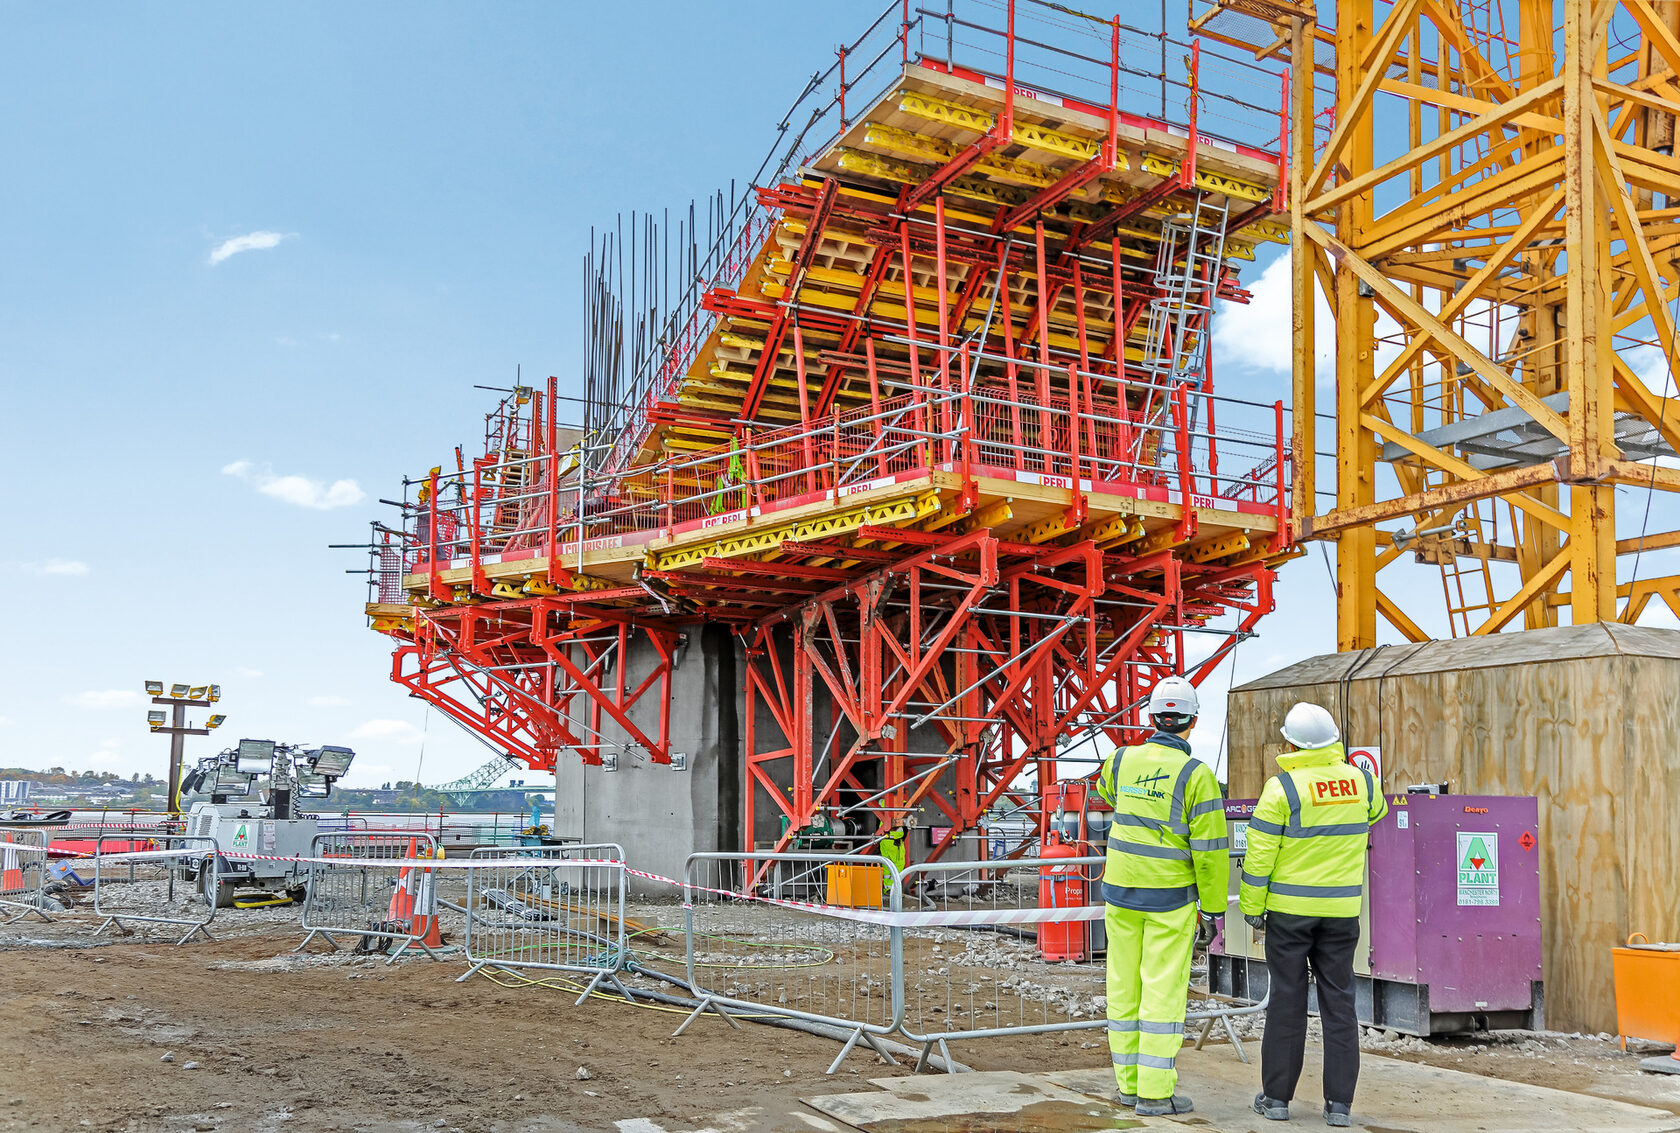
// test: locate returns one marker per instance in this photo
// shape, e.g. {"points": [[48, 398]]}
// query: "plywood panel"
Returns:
{"points": [[1590, 734]]}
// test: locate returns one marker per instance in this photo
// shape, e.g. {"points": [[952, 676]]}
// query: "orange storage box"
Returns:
{"points": [[855, 886], [1647, 990]]}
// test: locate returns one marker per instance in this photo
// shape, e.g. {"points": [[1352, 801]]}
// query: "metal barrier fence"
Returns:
{"points": [[767, 934], [985, 978], [365, 898], [940, 952], [23, 872], [558, 908], [169, 882]]}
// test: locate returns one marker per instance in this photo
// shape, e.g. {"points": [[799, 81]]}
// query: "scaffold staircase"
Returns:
{"points": [[1188, 265]]}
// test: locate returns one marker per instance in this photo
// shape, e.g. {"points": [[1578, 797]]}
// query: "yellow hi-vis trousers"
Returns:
{"points": [[1148, 989]]}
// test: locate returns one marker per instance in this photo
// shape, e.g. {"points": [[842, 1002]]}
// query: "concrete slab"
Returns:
{"points": [[975, 1103], [1394, 1097]]}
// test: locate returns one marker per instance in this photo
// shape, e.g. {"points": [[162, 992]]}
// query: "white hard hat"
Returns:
{"points": [[1174, 696], [1308, 726]]}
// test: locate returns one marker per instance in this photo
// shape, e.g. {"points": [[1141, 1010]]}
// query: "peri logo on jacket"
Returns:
{"points": [[1335, 792]]}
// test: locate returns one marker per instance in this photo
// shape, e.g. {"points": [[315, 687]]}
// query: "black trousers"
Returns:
{"points": [[1327, 943]]}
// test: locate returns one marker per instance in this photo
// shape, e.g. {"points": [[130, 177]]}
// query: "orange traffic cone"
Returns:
{"points": [[11, 873], [425, 928], [402, 900]]}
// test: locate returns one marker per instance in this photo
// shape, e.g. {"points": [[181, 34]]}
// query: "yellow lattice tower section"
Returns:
{"points": [[1485, 196]]}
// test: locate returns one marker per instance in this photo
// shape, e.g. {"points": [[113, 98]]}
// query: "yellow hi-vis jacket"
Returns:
{"points": [[1308, 837], [1168, 835]]}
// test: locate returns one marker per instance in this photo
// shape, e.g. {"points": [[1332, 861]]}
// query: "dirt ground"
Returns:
{"points": [[133, 1033]]}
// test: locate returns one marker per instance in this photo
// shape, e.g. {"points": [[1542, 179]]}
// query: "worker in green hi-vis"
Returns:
{"points": [[1167, 852], [1303, 885], [892, 848]]}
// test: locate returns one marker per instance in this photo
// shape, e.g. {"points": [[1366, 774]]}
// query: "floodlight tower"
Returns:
{"points": [[181, 697]]}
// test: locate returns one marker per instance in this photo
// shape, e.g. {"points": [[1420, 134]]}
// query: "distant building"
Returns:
{"points": [[15, 792]]}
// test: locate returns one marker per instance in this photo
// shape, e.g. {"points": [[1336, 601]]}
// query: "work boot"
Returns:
{"points": [[1164, 1107], [1339, 1114], [1271, 1109], [1128, 1100]]}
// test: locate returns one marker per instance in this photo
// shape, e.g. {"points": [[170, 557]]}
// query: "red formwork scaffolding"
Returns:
{"points": [[934, 434]]}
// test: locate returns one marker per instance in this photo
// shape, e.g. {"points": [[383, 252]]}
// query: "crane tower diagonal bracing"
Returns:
{"points": [[1483, 201], [927, 422]]}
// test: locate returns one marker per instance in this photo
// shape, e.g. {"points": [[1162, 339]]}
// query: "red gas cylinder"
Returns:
{"points": [[1061, 885]]}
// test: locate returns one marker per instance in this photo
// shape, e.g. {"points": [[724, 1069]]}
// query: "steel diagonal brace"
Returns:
{"points": [[940, 545], [658, 751], [1122, 654], [1052, 195], [422, 686], [952, 169], [844, 694], [1119, 215], [461, 642], [1014, 686], [935, 650], [802, 258]]}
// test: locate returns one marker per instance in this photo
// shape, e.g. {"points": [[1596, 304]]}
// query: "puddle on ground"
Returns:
{"points": [[1039, 1117]]}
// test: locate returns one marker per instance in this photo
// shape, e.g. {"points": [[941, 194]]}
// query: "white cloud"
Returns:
{"points": [[387, 731], [244, 672], [72, 568], [328, 701], [1650, 363], [1657, 614], [1260, 334], [299, 491], [5, 721], [250, 242], [101, 699]]}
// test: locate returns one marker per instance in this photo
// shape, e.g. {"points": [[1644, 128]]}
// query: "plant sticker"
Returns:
{"points": [[242, 837], [1478, 869]]}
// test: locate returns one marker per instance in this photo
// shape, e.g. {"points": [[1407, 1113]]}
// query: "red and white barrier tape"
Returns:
{"points": [[882, 917]]}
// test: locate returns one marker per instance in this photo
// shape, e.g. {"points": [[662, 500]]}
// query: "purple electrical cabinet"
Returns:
{"points": [[1451, 940]]}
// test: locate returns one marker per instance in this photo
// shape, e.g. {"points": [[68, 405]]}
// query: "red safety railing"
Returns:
{"points": [[1160, 439]]}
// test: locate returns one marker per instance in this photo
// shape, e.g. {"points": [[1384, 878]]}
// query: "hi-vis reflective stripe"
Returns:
{"points": [[1329, 831], [1257, 882], [1283, 889], [1206, 806], [1147, 1026], [1265, 826], [1142, 821], [1154, 1061], [1116, 894], [1182, 784], [1210, 844], [1287, 782], [1142, 850]]}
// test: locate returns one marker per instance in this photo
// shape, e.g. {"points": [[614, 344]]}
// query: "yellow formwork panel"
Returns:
{"points": [[769, 537]]}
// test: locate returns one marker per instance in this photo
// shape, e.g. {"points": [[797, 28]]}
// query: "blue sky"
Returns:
{"points": [[409, 191]]}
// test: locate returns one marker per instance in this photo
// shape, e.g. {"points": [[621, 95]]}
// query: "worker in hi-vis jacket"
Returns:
{"points": [[1303, 878], [1167, 853]]}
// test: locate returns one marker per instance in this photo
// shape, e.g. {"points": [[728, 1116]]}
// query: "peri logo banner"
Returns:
{"points": [[1478, 868]]}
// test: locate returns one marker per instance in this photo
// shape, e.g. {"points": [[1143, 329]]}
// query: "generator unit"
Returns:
{"points": [[254, 808], [1450, 930]]}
